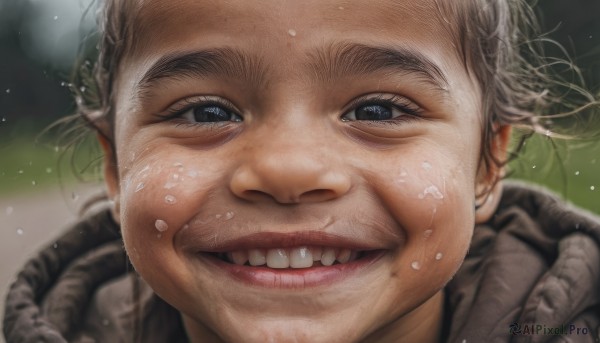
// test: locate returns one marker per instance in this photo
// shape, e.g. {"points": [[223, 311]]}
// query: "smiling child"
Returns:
{"points": [[314, 171]]}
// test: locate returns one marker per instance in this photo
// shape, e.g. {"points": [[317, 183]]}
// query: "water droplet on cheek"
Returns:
{"points": [[416, 265], [161, 225], [228, 215], [169, 199], [292, 32], [427, 233]]}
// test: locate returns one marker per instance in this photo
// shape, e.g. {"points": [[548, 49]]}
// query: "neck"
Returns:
{"points": [[423, 324]]}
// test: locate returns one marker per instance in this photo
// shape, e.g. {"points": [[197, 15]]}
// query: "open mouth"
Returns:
{"points": [[293, 257]]}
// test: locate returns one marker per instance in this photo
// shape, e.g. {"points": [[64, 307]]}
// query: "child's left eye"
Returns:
{"points": [[381, 109]]}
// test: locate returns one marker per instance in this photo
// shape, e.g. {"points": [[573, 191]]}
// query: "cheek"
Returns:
{"points": [[158, 198], [432, 201]]}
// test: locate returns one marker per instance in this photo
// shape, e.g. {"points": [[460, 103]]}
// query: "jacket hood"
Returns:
{"points": [[535, 262]]}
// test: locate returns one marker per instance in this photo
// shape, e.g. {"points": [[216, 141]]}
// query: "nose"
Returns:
{"points": [[289, 176]]}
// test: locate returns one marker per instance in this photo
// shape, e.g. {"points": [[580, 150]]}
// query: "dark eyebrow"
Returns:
{"points": [[349, 59], [221, 62]]}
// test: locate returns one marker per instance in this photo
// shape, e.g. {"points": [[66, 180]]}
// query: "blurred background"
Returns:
{"points": [[40, 194]]}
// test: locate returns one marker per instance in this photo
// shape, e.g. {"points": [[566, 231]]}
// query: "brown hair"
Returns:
{"points": [[519, 86]]}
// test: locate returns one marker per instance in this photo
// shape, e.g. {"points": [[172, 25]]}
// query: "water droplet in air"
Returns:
{"points": [[33, 183], [228, 215], [48, 170], [169, 199], [577, 226], [139, 187], [577, 172], [55, 245], [438, 256], [62, 84], [55, 17], [9, 210], [292, 32], [20, 171], [105, 322], [3, 119], [534, 166], [82, 89], [592, 188], [416, 265], [161, 225], [20, 231], [8, 91]]}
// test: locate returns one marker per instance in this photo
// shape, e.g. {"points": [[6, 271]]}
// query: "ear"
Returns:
{"points": [[488, 190], [111, 176]]}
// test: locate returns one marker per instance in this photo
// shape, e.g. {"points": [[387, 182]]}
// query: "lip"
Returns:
{"points": [[265, 277]]}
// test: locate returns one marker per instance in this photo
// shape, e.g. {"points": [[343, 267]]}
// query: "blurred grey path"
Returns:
{"points": [[31, 221]]}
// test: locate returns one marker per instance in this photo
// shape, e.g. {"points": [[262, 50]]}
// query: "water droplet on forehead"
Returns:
{"points": [[169, 199], [292, 32], [416, 265], [139, 187], [161, 225]]}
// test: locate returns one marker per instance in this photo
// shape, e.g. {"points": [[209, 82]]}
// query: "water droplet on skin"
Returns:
{"points": [[169, 199], [177, 164], [292, 32], [433, 191], [48, 170], [427, 233], [139, 187], [170, 185], [9, 210], [161, 225], [426, 165], [416, 265], [218, 216], [228, 215], [192, 173], [438, 256], [577, 172], [20, 231]]}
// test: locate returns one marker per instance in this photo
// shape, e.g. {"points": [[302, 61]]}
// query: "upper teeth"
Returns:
{"points": [[298, 257]]}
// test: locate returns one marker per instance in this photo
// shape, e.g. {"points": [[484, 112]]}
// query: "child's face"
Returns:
{"points": [[320, 124]]}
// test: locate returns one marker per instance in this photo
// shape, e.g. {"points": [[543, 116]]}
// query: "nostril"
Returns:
{"points": [[317, 195]]}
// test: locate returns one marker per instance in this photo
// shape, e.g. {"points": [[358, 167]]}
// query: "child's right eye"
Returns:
{"points": [[210, 113]]}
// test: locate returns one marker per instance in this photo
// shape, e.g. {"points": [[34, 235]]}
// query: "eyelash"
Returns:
{"points": [[185, 105]]}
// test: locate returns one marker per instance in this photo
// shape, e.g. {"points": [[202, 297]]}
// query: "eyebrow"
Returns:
{"points": [[348, 59], [223, 62], [327, 65]]}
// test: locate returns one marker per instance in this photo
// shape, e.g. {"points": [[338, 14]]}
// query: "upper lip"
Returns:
{"points": [[343, 234]]}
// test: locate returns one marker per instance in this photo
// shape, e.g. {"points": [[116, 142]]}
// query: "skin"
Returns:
{"points": [[407, 185]]}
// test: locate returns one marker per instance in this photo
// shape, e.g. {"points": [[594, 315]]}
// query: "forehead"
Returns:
{"points": [[266, 22]]}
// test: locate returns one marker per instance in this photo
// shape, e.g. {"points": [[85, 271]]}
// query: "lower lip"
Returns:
{"points": [[294, 278]]}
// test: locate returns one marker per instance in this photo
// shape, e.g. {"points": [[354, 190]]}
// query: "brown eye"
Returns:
{"points": [[373, 112], [210, 113]]}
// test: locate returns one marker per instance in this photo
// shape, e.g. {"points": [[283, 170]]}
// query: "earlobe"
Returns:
{"points": [[111, 175], [489, 186]]}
